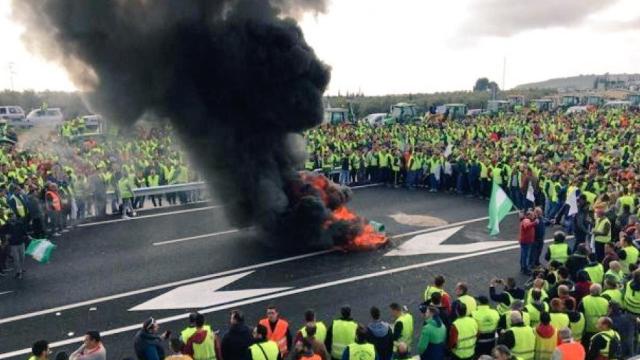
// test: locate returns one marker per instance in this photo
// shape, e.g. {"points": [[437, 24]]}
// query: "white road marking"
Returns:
{"points": [[365, 186], [422, 231], [160, 287], [5, 292], [278, 295], [203, 294], [151, 215], [231, 231], [431, 243]]}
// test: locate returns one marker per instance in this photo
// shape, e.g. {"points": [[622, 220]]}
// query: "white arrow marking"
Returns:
{"points": [[203, 294], [431, 243]]}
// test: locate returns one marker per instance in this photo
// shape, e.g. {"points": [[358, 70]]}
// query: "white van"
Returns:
{"points": [[11, 113], [50, 116]]}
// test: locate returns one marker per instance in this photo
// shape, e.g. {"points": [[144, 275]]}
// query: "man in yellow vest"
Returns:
{"points": [[464, 298], [602, 230], [520, 338], [402, 327], [593, 306], [631, 298], [40, 350], [263, 348], [546, 338], [606, 343], [487, 320], [628, 254], [558, 251], [321, 329], [341, 333], [463, 335], [360, 349], [202, 344]]}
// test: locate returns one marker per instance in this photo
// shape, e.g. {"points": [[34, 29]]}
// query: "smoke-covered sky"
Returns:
{"points": [[384, 46]]}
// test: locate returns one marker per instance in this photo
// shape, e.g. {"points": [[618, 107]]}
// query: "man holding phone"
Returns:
{"points": [[148, 345]]}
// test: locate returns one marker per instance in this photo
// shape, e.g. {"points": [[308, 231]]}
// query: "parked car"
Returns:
{"points": [[11, 113], [50, 116]]}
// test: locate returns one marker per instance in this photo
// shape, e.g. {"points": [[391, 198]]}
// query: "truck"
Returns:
{"points": [[634, 99], [453, 111], [569, 101], [335, 116], [402, 113], [542, 105], [498, 106], [517, 102], [594, 100]]}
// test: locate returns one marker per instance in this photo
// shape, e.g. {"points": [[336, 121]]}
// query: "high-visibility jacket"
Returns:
{"points": [[525, 342], [267, 350], [343, 334], [572, 350], [607, 335], [528, 299], [594, 308], [469, 302], [56, 204], [601, 223], [596, 273], [21, 207], [534, 313], [613, 295], [559, 320], [153, 180], [206, 349], [526, 319], [627, 200], [430, 290], [189, 331], [631, 257], [124, 187], [321, 331], [277, 335], [364, 351], [467, 335], [545, 346], [559, 252], [504, 308], [407, 329], [618, 276], [486, 318], [631, 300], [577, 327]]}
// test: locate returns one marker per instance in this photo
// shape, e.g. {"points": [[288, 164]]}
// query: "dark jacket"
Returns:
{"points": [[148, 346], [381, 336], [16, 232], [236, 342]]}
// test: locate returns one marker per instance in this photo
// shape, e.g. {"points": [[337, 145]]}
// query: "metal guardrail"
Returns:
{"points": [[165, 189]]}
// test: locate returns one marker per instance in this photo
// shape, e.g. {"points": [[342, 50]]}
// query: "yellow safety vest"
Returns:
{"points": [[600, 225], [321, 331], [559, 320], [344, 333], [607, 335], [467, 337], [525, 342], [268, 348], [631, 300], [469, 302], [534, 313], [596, 273], [430, 290], [206, 349], [577, 328], [631, 258], [546, 346], [364, 351], [594, 308], [558, 252], [486, 318], [407, 330], [614, 295]]}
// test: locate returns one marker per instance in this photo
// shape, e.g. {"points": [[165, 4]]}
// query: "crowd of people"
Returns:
{"points": [[50, 183]]}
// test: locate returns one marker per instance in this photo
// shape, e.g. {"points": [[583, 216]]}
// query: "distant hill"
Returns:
{"points": [[580, 82]]}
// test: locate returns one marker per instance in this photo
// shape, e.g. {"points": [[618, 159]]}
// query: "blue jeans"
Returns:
{"points": [[525, 249], [460, 182], [433, 182], [344, 177]]}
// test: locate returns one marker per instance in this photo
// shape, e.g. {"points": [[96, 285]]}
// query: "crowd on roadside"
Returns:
{"points": [[574, 306], [51, 183]]}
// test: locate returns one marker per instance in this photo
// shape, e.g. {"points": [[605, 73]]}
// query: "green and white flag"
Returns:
{"points": [[40, 250], [499, 206]]}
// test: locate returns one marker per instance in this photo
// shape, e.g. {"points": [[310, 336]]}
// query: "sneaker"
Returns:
{"points": [[133, 214], [125, 217], [65, 230], [56, 234]]}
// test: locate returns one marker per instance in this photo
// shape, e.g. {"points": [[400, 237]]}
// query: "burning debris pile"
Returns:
{"points": [[235, 77], [322, 204]]}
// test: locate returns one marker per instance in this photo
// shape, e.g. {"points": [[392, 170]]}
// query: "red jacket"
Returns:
{"points": [[527, 231]]}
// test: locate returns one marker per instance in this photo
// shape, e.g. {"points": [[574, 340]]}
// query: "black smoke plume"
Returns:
{"points": [[236, 78]]}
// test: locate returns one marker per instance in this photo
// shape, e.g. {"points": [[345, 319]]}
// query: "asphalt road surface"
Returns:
{"points": [[112, 275]]}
